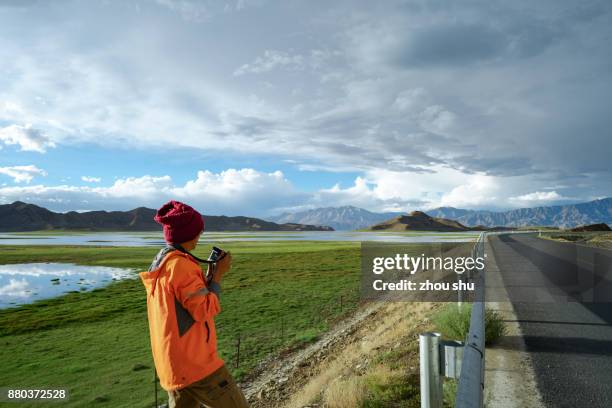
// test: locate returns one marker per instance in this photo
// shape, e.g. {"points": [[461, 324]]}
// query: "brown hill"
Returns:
{"points": [[419, 221], [20, 216], [592, 227]]}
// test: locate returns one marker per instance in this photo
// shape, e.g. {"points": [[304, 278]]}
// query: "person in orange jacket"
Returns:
{"points": [[181, 307]]}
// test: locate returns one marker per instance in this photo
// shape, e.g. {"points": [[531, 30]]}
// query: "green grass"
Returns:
{"points": [[391, 391], [453, 322], [96, 343], [449, 390]]}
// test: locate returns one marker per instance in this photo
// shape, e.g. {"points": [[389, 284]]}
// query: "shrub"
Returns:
{"points": [[387, 387], [345, 393], [495, 327], [453, 322]]}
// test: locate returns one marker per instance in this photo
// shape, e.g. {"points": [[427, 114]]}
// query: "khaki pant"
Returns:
{"points": [[218, 390]]}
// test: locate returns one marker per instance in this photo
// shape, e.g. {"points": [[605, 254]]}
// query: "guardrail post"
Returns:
{"points": [[451, 354], [431, 381]]}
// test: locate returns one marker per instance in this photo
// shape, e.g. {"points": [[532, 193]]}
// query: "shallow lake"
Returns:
{"points": [[26, 283], [156, 239]]}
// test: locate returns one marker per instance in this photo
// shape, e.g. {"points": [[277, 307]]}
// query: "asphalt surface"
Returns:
{"points": [[566, 324]]}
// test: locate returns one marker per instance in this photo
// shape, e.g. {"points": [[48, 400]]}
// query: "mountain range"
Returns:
{"points": [[20, 216], [564, 216], [339, 218]]}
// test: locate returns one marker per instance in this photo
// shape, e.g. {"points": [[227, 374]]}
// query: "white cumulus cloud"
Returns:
{"points": [[88, 179], [251, 192], [537, 197], [27, 137], [22, 173], [230, 192]]}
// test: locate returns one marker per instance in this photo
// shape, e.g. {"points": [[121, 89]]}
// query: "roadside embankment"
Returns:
{"points": [[369, 359]]}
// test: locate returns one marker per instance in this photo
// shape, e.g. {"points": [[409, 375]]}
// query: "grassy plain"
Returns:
{"points": [[96, 343]]}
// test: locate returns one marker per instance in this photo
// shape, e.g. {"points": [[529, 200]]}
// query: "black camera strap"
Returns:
{"points": [[211, 264], [179, 247]]}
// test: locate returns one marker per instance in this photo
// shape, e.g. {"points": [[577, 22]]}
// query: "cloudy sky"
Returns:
{"points": [[257, 107]]}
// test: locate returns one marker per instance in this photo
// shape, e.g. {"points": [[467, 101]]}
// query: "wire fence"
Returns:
{"points": [[242, 350]]}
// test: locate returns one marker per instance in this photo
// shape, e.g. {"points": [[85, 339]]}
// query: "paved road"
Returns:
{"points": [[570, 342]]}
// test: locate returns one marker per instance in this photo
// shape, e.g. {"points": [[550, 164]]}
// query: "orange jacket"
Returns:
{"points": [[181, 309]]}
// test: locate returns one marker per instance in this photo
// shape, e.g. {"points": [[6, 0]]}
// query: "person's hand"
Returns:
{"points": [[222, 267]]}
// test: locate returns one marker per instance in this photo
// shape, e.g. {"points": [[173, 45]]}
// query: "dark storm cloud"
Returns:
{"points": [[510, 89], [450, 45], [495, 166]]}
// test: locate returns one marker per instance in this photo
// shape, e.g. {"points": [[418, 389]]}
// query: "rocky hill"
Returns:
{"points": [[592, 228], [20, 216], [419, 221]]}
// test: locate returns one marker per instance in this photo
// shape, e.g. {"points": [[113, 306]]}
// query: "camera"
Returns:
{"points": [[215, 254]]}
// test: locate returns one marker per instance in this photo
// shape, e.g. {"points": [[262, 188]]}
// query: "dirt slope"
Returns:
{"points": [[306, 378]]}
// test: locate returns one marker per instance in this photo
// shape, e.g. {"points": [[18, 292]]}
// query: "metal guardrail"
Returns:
{"points": [[453, 359], [471, 380]]}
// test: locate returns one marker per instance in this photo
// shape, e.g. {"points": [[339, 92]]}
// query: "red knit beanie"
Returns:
{"points": [[181, 222]]}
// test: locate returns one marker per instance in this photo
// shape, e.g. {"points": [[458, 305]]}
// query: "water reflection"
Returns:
{"points": [[156, 239], [26, 283]]}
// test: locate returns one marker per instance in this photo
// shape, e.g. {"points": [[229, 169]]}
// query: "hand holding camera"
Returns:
{"points": [[222, 265]]}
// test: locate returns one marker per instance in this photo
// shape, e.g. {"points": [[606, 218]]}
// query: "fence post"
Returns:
{"points": [[155, 385], [459, 292], [237, 362], [431, 381], [282, 329]]}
